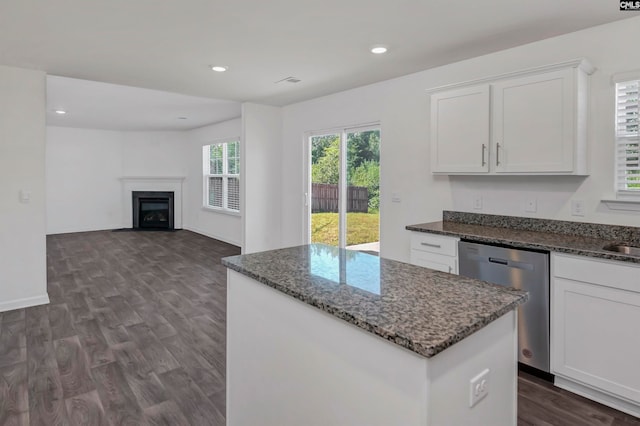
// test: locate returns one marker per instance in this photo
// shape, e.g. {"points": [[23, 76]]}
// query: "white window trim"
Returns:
{"points": [[224, 175], [620, 141], [622, 199]]}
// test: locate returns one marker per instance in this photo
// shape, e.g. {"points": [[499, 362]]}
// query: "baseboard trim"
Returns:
{"points": [[27, 302], [79, 230], [598, 396], [210, 235]]}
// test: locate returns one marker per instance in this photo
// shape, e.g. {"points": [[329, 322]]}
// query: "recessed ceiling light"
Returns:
{"points": [[218, 68], [60, 111], [378, 50]]}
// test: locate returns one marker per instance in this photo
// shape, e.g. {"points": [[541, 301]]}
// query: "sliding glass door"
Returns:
{"points": [[344, 188]]}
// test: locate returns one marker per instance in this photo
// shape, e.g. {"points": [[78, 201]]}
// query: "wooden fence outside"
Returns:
{"points": [[324, 198]]}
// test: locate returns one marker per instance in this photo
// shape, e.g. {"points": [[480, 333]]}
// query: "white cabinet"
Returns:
{"points": [[595, 333], [437, 252], [460, 130], [531, 122]]}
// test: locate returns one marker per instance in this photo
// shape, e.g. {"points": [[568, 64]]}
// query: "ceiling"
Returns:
{"points": [[95, 105], [169, 45]]}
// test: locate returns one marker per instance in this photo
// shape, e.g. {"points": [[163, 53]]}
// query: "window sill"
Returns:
{"points": [[623, 201], [221, 211]]}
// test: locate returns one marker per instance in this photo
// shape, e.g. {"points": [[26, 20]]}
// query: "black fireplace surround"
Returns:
{"points": [[152, 210]]}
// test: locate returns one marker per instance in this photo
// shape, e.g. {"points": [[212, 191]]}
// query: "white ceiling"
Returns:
{"points": [[168, 45], [95, 105]]}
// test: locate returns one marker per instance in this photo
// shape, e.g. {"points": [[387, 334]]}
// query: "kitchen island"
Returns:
{"points": [[318, 335]]}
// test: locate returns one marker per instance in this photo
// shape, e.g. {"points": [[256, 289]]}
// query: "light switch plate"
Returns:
{"points": [[25, 196]]}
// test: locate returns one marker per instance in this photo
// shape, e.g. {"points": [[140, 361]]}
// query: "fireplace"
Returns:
{"points": [[152, 210]]}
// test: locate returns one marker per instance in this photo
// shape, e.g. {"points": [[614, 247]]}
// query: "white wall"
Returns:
{"points": [[262, 194], [154, 153], [402, 107], [555, 194], [222, 226], [23, 280], [83, 190], [84, 167]]}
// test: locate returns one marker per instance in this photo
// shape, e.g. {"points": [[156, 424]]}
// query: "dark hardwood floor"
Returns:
{"points": [[135, 335]]}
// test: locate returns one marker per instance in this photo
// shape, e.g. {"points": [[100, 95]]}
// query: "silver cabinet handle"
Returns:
{"points": [[484, 148], [449, 269], [431, 245], [497, 154]]}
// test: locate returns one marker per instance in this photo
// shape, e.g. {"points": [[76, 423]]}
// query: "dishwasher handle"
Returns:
{"points": [[498, 260]]}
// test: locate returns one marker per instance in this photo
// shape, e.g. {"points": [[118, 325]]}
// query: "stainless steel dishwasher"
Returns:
{"points": [[524, 270]]}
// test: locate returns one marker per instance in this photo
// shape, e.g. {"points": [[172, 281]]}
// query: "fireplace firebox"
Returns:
{"points": [[152, 210]]}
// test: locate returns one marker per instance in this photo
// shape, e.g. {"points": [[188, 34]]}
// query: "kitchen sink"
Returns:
{"points": [[623, 248]]}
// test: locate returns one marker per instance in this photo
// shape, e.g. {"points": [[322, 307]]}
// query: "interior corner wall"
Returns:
{"points": [[23, 279], [85, 167], [261, 190], [402, 107], [221, 226]]}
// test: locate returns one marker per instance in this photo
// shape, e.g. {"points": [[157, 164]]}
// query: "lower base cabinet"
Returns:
{"points": [[595, 335]]}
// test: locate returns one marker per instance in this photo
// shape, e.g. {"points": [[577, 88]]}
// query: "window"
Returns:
{"points": [[221, 162], [627, 153]]}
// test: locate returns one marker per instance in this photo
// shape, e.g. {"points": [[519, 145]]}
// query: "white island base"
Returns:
{"points": [[289, 363]]}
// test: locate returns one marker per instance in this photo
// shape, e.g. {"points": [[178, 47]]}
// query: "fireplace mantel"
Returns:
{"points": [[151, 183], [147, 178]]}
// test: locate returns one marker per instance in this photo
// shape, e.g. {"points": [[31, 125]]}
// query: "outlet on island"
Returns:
{"points": [[479, 387]]}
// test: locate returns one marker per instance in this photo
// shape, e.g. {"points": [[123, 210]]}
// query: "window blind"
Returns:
{"points": [[627, 152], [221, 169], [233, 193]]}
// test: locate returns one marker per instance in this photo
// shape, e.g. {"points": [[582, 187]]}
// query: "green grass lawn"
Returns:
{"points": [[361, 228]]}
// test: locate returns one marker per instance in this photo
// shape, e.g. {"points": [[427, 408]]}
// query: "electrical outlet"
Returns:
{"points": [[531, 205], [477, 202], [479, 387], [577, 208], [395, 197]]}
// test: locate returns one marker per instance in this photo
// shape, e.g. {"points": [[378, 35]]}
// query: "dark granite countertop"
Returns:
{"points": [[420, 309], [585, 239]]}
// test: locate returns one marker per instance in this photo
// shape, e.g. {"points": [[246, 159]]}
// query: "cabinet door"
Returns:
{"points": [[532, 124], [596, 336], [438, 262], [460, 130]]}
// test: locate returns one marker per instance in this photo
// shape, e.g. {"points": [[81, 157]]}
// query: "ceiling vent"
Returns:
{"points": [[289, 80]]}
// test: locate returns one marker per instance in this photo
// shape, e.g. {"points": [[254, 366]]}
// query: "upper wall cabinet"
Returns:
{"points": [[460, 130], [531, 122]]}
